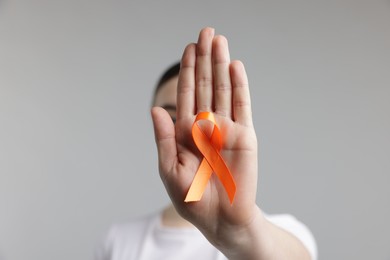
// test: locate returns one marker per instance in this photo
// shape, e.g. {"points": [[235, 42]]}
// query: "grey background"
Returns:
{"points": [[76, 142]]}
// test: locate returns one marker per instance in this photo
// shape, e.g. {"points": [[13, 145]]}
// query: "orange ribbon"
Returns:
{"points": [[212, 161]]}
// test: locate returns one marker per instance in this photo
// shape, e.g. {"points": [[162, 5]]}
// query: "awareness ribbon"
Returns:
{"points": [[209, 147]]}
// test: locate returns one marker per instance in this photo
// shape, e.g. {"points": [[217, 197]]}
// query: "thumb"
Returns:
{"points": [[164, 133]]}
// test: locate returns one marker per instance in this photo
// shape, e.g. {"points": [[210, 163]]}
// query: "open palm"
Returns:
{"points": [[209, 81]]}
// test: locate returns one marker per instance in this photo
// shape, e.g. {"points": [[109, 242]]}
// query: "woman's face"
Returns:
{"points": [[166, 97]]}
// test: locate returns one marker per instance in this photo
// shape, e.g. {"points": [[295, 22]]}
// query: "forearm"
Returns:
{"points": [[260, 239]]}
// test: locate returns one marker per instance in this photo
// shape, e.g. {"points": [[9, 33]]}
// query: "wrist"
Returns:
{"points": [[260, 239], [239, 242]]}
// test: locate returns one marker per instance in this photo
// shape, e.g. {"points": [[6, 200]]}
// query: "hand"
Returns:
{"points": [[209, 81]]}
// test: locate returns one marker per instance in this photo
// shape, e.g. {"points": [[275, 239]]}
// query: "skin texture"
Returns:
{"points": [[209, 81]]}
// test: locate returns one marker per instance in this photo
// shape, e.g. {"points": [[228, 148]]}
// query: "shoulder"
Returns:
{"points": [[297, 228], [124, 238], [130, 229]]}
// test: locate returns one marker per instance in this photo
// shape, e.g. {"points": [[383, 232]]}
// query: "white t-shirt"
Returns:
{"points": [[147, 239]]}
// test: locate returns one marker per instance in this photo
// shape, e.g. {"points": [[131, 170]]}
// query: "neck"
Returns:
{"points": [[170, 218]]}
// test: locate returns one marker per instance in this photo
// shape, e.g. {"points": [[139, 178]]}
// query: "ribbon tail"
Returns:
{"points": [[199, 183], [226, 178]]}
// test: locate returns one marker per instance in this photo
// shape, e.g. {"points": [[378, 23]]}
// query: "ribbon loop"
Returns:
{"points": [[212, 162]]}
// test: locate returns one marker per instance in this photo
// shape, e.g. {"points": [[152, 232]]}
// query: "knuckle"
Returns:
{"points": [[241, 103], [242, 85], [204, 81], [223, 86]]}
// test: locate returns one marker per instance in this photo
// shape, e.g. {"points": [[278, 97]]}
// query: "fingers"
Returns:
{"points": [[203, 70], [242, 112], [213, 87], [164, 132], [221, 74], [186, 83], [209, 81]]}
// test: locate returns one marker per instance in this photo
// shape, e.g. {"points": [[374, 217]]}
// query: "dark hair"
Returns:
{"points": [[171, 72]]}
